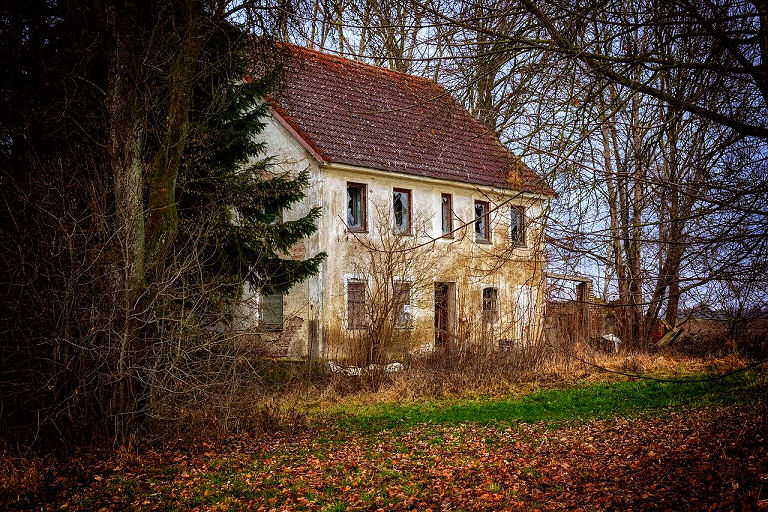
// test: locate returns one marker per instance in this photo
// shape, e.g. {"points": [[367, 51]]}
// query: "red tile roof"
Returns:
{"points": [[353, 113]]}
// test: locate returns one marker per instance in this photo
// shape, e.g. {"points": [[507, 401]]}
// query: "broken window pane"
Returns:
{"points": [[401, 203], [482, 231], [356, 207]]}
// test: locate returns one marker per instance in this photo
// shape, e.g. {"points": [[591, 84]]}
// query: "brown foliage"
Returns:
{"points": [[706, 459]]}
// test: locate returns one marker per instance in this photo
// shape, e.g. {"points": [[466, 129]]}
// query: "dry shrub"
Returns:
{"points": [[222, 387], [754, 345], [275, 416], [253, 413], [449, 373], [24, 479], [666, 364], [632, 365], [370, 382]]}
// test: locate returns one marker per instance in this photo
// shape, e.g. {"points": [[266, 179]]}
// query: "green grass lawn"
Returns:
{"points": [[579, 403]]}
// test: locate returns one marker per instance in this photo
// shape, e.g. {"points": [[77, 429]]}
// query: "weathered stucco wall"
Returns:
{"points": [[515, 272], [302, 302], [316, 310]]}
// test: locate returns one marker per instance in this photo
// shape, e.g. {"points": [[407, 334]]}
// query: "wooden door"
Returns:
{"points": [[441, 314]]}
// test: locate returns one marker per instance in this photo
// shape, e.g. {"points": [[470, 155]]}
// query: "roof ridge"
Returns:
{"points": [[347, 60]]}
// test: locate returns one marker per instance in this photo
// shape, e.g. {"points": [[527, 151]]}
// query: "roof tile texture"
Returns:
{"points": [[357, 114]]}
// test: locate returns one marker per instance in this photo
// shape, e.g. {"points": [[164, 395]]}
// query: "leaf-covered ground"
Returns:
{"points": [[697, 458]]}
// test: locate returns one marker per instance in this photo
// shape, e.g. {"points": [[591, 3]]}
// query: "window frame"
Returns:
{"points": [[409, 193], [449, 233], [487, 215], [272, 326], [403, 307], [363, 228], [360, 320], [521, 240], [490, 305]]}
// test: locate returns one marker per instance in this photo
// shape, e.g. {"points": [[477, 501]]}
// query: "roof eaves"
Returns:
{"points": [[541, 192], [542, 189]]}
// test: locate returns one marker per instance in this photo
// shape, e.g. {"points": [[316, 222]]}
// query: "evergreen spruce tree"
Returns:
{"points": [[230, 198]]}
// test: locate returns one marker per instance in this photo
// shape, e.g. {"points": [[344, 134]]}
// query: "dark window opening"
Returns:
{"points": [[356, 214], [517, 227], [445, 313]]}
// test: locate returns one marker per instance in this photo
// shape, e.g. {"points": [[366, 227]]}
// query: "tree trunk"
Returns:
{"points": [[143, 239], [162, 217], [126, 122]]}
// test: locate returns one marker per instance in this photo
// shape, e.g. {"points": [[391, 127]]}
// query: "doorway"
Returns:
{"points": [[445, 313]]}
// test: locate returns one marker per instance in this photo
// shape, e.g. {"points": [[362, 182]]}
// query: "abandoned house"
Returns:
{"points": [[430, 225]]}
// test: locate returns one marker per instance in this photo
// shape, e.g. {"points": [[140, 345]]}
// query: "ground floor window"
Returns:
{"points": [[402, 296], [271, 311], [490, 304], [356, 317]]}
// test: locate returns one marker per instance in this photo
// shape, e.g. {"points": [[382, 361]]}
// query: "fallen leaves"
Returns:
{"points": [[714, 458]]}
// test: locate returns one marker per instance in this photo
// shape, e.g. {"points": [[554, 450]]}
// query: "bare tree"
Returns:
{"points": [[398, 274]]}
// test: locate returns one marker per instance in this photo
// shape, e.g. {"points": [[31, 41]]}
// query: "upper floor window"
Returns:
{"points": [[517, 227], [446, 208], [271, 311], [401, 204], [482, 222], [356, 315], [356, 214], [490, 304]]}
